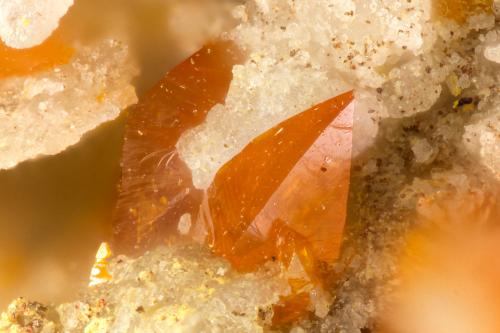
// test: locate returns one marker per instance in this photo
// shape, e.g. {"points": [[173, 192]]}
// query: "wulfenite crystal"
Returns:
{"points": [[282, 198], [286, 192]]}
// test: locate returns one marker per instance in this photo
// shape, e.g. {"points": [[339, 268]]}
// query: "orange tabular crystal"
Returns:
{"points": [[156, 187], [286, 192], [18, 62], [283, 195], [460, 10]]}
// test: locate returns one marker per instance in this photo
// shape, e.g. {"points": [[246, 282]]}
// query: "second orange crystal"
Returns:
{"points": [[286, 192]]}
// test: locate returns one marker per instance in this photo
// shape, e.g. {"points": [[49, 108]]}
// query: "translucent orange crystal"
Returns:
{"points": [[156, 187], [18, 62], [460, 10], [283, 196], [290, 309], [286, 192]]}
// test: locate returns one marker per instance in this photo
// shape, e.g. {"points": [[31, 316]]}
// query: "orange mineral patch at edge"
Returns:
{"points": [[156, 187], [286, 192], [461, 10], [18, 62], [448, 272]]}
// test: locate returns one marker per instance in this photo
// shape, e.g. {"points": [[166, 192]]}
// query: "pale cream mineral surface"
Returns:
{"points": [[44, 113], [174, 289], [393, 54], [26, 23]]}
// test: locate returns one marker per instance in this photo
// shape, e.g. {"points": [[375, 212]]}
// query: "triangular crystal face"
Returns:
{"points": [[286, 192], [156, 187]]}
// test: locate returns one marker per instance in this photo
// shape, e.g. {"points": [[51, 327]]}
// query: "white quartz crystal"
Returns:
{"points": [[44, 113], [426, 122], [26, 23]]}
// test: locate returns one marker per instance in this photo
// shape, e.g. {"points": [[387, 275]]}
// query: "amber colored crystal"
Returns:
{"points": [[460, 10], [156, 187], [286, 192], [283, 195], [290, 309], [17, 62]]}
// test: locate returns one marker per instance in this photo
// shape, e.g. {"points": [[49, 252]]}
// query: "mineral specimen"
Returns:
{"points": [[426, 90], [279, 196], [276, 199]]}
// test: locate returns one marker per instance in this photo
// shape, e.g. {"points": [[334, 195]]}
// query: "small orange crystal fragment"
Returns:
{"points": [[156, 187], [17, 62], [290, 308], [286, 192], [460, 10]]}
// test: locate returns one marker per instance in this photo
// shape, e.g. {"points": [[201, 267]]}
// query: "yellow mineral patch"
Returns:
{"points": [[101, 97], [97, 325], [452, 82], [99, 273]]}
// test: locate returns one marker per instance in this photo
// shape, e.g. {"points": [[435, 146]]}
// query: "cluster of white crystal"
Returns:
{"points": [[26, 23], [42, 114], [174, 289], [395, 57]]}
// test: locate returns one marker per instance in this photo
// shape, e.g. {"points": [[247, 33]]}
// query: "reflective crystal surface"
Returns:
{"points": [[283, 198], [156, 188], [286, 192]]}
